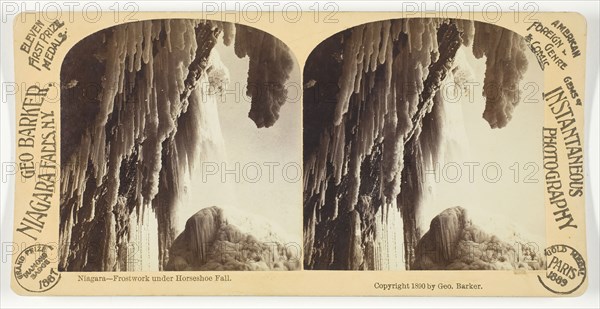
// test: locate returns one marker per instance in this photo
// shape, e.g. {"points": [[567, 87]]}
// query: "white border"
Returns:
{"points": [[590, 9]]}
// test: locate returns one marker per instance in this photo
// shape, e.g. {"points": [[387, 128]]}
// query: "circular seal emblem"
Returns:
{"points": [[33, 271], [566, 270]]}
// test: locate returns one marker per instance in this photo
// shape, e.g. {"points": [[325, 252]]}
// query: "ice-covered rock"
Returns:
{"points": [[454, 242], [209, 242]]}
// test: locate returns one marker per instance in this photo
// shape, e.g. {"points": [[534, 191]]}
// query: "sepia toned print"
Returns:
{"points": [[407, 122], [135, 194], [349, 153]]}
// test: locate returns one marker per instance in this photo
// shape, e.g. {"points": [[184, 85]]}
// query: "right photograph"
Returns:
{"points": [[422, 148]]}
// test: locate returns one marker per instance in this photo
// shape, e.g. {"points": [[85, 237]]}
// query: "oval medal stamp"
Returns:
{"points": [[33, 268], [566, 270]]}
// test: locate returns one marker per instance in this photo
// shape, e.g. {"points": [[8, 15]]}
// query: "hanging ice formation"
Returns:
{"points": [[129, 130], [372, 125]]}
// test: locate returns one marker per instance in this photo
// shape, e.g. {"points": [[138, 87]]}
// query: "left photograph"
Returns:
{"points": [[180, 150]]}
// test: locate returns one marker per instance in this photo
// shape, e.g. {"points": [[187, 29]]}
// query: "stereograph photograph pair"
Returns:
{"points": [[178, 155]]}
